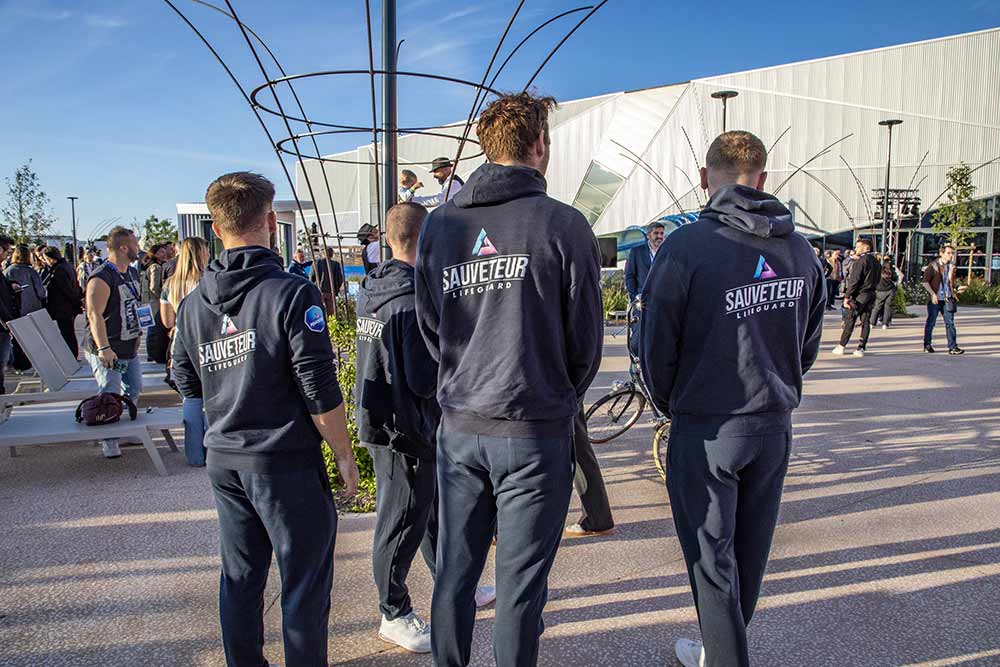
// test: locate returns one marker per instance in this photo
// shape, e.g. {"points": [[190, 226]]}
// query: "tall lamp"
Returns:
{"points": [[885, 201], [724, 95], [72, 206]]}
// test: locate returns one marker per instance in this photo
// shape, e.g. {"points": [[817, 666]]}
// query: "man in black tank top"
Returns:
{"points": [[111, 344]]}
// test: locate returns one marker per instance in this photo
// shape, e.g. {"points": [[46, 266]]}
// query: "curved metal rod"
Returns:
{"points": [[917, 170], [636, 159], [695, 187], [780, 136], [522, 43], [246, 98], [861, 189], [833, 194], [563, 41], [475, 101], [971, 172], [920, 182], [371, 77], [304, 135], [326, 177], [691, 146], [343, 72], [807, 162]]}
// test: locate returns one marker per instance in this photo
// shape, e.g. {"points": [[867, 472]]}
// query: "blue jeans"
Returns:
{"points": [[195, 425], [6, 347], [933, 309], [289, 514], [522, 487], [113, 381]]}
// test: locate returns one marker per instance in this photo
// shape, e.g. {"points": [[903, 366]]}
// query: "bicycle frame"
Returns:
{"points": [[632, 316]]}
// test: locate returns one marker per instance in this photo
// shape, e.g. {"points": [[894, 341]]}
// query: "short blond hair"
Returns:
{"points": [[402, 225], [237, 200], [737, 152]]}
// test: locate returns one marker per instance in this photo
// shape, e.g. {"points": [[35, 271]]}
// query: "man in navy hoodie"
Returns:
{"points": [[732, 319], [251, 339], [509, 303]]}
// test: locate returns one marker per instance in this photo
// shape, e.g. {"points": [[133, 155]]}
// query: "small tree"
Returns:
{"points": [[158, 231], [954, 219], [24, 215]]}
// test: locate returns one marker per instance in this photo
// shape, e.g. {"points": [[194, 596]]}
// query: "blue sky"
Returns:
{"points": [[118, 103]]}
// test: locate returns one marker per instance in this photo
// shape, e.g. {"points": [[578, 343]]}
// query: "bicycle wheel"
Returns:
{"points": [[661, 447], [613, 414]]}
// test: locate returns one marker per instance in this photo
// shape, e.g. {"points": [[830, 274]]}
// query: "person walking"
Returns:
{"points": [[834, 279], [22, 273], [939, 283], [65, 298], [111, 343], [191, 263], [885, 294], [862, 278], [640, 258], [252, 342], [732, 319], [595, 510], [508, 301]]}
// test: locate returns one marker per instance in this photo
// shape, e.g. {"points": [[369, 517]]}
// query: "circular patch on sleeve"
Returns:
{"points": [[315, 320]]}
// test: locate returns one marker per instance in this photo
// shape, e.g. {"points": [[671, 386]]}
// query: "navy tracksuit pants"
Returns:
{"points": [[291, 514], [724, 493], [522, 487]]}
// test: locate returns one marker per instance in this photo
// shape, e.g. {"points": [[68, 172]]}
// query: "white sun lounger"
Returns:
{"points": [[56, 423]]}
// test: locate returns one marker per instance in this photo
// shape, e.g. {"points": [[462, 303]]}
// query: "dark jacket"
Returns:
{"points": [[396, 377], [321, 273], [636, 269], [733, 317], [509, 303], [297, 269], [32, 289], [933, 275], [887, 283], [252, 340], [862, 278], [9, 302], [65, 297]]}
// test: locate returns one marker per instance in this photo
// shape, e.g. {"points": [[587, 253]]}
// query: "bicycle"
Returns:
{"points": [[617, 411]]}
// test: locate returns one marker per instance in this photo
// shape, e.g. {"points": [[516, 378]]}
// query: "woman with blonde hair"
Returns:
{"points": [[191, 263]]}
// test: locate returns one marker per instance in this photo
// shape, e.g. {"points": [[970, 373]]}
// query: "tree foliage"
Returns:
{"points": [[156, 230], [26, 215], [955, 218]]}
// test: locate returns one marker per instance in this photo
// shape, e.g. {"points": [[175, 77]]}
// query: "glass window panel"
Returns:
{"points": [[598, 187]]}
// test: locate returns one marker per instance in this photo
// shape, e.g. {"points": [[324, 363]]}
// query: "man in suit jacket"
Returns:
{"points": [[640, 259]]}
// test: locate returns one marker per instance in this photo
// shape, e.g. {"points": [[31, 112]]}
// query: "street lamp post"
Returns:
{"points": [[724, 95], [885, 201], [72, 206]]}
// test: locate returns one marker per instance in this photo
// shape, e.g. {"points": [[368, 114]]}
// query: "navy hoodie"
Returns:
{"points": [[732, 317], [252, 340], [396, 376], [509, 303]]}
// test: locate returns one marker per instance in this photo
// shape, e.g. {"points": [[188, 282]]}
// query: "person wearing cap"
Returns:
{"points": [[442, 169]]}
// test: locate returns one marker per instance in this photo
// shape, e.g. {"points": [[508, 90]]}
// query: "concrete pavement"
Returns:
{"points": [[887, 553]]}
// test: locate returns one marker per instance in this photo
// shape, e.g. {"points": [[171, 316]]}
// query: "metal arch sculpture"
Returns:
{"points": [[289, 145]]}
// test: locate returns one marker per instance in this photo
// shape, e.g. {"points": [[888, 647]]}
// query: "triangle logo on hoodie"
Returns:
{"points": [[763, 270], [228, 326], [483, 246]]}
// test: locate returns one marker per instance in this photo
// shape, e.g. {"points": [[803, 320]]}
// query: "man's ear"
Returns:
{"points": [[215, 230], [272, 222], [760, 180], [703, 172]]}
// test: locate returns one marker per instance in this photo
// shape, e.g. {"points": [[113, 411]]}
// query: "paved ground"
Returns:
{"points": [[888, 552]]}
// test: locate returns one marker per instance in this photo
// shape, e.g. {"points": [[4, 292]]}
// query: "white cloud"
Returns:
{"points": [[110, 22]]}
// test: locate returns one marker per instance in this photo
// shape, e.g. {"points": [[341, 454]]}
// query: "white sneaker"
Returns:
{"points": [[884, 327], [839, 350], [407, 631], [485, 595], [111, 450], [690, 653], [859, 352]]}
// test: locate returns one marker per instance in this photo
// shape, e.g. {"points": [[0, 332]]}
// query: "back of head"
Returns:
{"points": [[22, 255], [511, 124], [402, 228], [239, 202], [52, 253], [191, 261], [735, 157]]}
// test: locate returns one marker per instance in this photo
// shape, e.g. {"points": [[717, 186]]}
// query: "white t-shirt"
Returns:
{"points": [[372, 252]]}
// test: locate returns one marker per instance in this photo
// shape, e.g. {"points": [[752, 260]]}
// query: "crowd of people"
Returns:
{"points": [[476, 344]]}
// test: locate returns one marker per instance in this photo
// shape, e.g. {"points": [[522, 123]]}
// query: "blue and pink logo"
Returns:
{"points": [[763, 270], [483, 246]]}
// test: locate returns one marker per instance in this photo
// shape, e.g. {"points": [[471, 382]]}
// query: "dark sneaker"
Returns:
{"points": [[956, 350], [928, 349]]}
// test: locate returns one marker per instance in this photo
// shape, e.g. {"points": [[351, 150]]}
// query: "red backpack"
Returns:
{"points": [[104, 409]]}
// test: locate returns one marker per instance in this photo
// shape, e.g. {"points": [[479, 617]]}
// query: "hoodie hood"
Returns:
{"points": [[750, 211], [389, 280], [228, 278], [495, 184]]}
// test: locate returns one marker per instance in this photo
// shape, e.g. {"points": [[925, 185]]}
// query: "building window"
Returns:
{"points": [[598, 187]]}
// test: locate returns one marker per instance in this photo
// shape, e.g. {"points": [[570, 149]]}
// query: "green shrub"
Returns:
{"points": [[342, 335], [899, 304], [613, 291]]}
